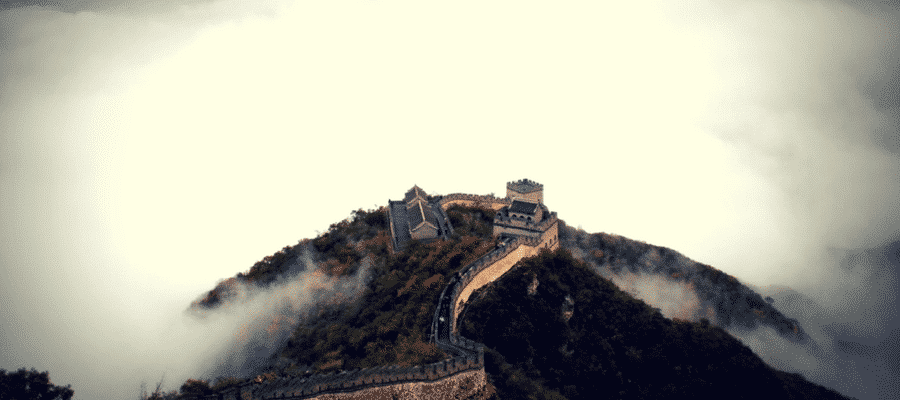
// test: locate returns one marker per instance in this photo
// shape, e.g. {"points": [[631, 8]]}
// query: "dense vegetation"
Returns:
{"points": [[601, 343], [391, 322], [613, 345], [733, 303], [31, 385]]}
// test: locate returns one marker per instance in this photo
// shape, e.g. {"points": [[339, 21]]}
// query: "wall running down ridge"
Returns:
{"points": [[460, 376]]}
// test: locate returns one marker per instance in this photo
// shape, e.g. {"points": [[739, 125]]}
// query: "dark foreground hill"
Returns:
{"points": [[721, 297], [554, 329], [612, 345]]}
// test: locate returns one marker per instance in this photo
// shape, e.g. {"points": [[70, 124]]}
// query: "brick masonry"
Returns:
{"points": [[460, 376]]}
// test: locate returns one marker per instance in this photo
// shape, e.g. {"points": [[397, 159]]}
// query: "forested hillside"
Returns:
{"points": [[391, 321], [554, 329]]}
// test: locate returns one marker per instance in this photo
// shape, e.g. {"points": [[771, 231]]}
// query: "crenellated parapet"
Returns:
{"points": [[444, 322], [467, 356], [354, 380], [466, 199], [525, 224], [525, 189]]}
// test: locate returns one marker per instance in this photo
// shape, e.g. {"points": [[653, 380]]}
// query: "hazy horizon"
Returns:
{"points": [[149, 150]]}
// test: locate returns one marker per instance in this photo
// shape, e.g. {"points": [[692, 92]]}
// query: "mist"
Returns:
{"points": [[150, 150], [261, 320], [847, 343]]}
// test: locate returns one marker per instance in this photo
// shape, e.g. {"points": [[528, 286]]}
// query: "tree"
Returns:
{"points": [[157, 394], [196, 387], [31, 385]]}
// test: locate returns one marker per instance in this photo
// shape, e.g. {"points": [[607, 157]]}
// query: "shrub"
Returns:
{"points": [[30, 384]]}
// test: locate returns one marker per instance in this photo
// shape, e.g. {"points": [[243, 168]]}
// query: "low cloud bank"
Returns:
{"points": [[832, 344], [242, 335]]}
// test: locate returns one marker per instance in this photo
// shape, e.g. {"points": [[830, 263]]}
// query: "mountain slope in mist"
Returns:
{"points": [[555, 328], [846, 345], [341, 301], [680, 287]]}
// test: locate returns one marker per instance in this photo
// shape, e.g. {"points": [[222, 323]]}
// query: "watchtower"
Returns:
{"points": [[525, 190], [415, 218]]}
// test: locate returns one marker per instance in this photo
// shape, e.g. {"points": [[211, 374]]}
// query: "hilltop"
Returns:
{"points": [[613, 334], [552, 326]]}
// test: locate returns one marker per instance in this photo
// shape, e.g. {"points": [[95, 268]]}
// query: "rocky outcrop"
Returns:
{"points": [[568, 308], [532, 288]]}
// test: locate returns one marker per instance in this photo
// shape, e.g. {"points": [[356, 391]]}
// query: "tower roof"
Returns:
{"points": [[421, 213], [411, 194], [524, 186]]}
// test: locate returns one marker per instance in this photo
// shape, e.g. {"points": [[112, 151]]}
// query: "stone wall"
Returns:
{"points": [[550, 237], [472, 200], [345, 384], [549, 219], [500, 229], [460, 376], [535, 197], [492, 268], [465, 385]]}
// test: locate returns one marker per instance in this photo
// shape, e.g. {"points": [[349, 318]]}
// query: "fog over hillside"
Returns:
{"points": [[151, 149], [831, 345], [261, 319]]}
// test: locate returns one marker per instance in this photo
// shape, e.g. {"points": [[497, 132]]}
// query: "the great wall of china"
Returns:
{"points": [[462, 375]]}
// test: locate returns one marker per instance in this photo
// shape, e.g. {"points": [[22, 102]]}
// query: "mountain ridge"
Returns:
{"points": [[334, 252]]}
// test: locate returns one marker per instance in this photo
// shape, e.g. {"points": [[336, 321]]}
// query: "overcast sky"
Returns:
{"points": [[150, 149]]}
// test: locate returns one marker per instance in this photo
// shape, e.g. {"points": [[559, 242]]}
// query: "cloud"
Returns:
{"points": [[238, 338], [242, 335], [674, 298], [147, 146], [812, 120], [851, 338]]}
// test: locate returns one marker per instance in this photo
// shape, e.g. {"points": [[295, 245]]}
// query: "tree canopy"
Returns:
{"points": [[31, 385]]}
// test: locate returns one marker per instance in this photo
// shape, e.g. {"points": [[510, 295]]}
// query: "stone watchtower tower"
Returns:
{"points": [[526, 215], [525, 190]]}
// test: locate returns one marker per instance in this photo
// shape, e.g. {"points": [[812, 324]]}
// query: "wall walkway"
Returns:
{"points": [[462, 373], [472, 200]]}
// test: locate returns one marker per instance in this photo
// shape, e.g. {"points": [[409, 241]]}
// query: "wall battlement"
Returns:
{"points": [[525, 224], [524, 186], [353, 380], [467, 355], [466, 199]]}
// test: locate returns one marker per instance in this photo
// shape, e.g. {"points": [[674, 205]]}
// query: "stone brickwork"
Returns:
{"points": [[550, 237], [487, 269], [465, 385], [516, 226], [346, 384], [460, 376], [473, 200], [525, 189]]}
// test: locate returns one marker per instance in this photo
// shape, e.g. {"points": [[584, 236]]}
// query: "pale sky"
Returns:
{"points": [[150, 149]]}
